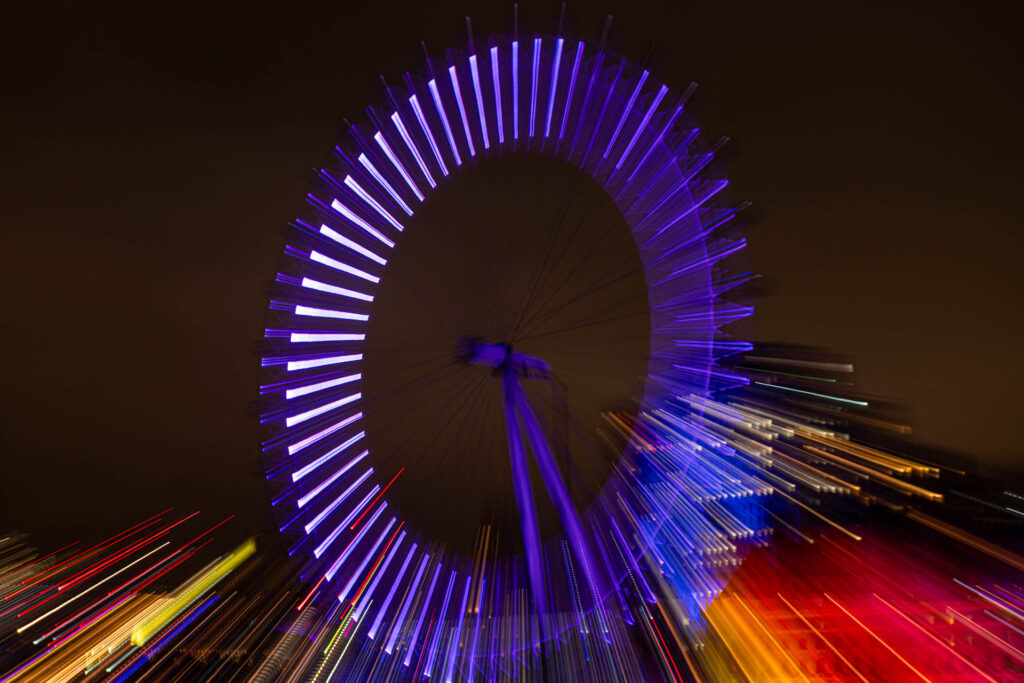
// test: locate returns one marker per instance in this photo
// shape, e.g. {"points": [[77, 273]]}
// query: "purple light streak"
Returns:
{"points": [[411, 647], [316, 521], [496, 80], [572, 88], [329, 313], [383, 144], [554, 85], [359, 222], [321, 362], [479, 100], [396, 119], [304, 443], [368, 165], [415, 104], [332, 234], [372, 633], [515, 89], [309, 283], [454, 76], [304, 500], [368, 593], [366, 560], [534, 83], [390, 647], [293, 420], [432, 85], [353, 185], [359, 537], [317, 257], [344, 523], [626, 111], [320, 386]]}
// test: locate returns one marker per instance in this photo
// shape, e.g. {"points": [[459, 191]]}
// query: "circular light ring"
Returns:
{"points": [[542, 95]]}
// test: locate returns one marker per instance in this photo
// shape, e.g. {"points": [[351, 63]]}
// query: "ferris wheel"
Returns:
{"points": [[505, 276]]}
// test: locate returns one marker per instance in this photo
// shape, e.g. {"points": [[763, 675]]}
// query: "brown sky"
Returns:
{"points": [[151, 154]]}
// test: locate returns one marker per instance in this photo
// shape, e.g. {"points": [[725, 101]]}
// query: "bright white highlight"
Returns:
{"points": [[325, 408], [356, 220], [337, 501], [479, 100], [415, 104], [349, 244], [353, 185], [432, 85], [296, 447], [331, 289], [330, 313], [368, 165], [325, 337], [320, 386], [317, 257], [330, 480], [321, 362], [411, 144]]}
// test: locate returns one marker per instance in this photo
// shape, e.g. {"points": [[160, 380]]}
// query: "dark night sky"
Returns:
{"points": [[151, 153]]}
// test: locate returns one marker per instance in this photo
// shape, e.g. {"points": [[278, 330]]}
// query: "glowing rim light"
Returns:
{"points": [[613, 125]]}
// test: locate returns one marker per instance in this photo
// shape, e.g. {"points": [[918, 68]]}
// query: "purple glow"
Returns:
{"points": [[432, 84], [458, 633], [552, 477], [302, 472], [331, 289], [496, 79], [572, 88], [598, 62], [320, 386], [355, 542], [476, 627], [524, 493], [298, 337], [344, 525], [419, 622], [325, 408], [368, 593], [351, 183], [479, 100], [349, 244], [462, 108], [415, 104], [654, 144], [515, 89], [534, 82], [330, 480], [383, 144], [662, 91], [321, 362], [626, 111], [366, 560], [329, 313], [389, 648], [368, 165], [317, 257], [407, 139], [372, 633], [342, 497], [554, 85], [296, 447], [599, 125], [356, 220], [432, 651]]}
